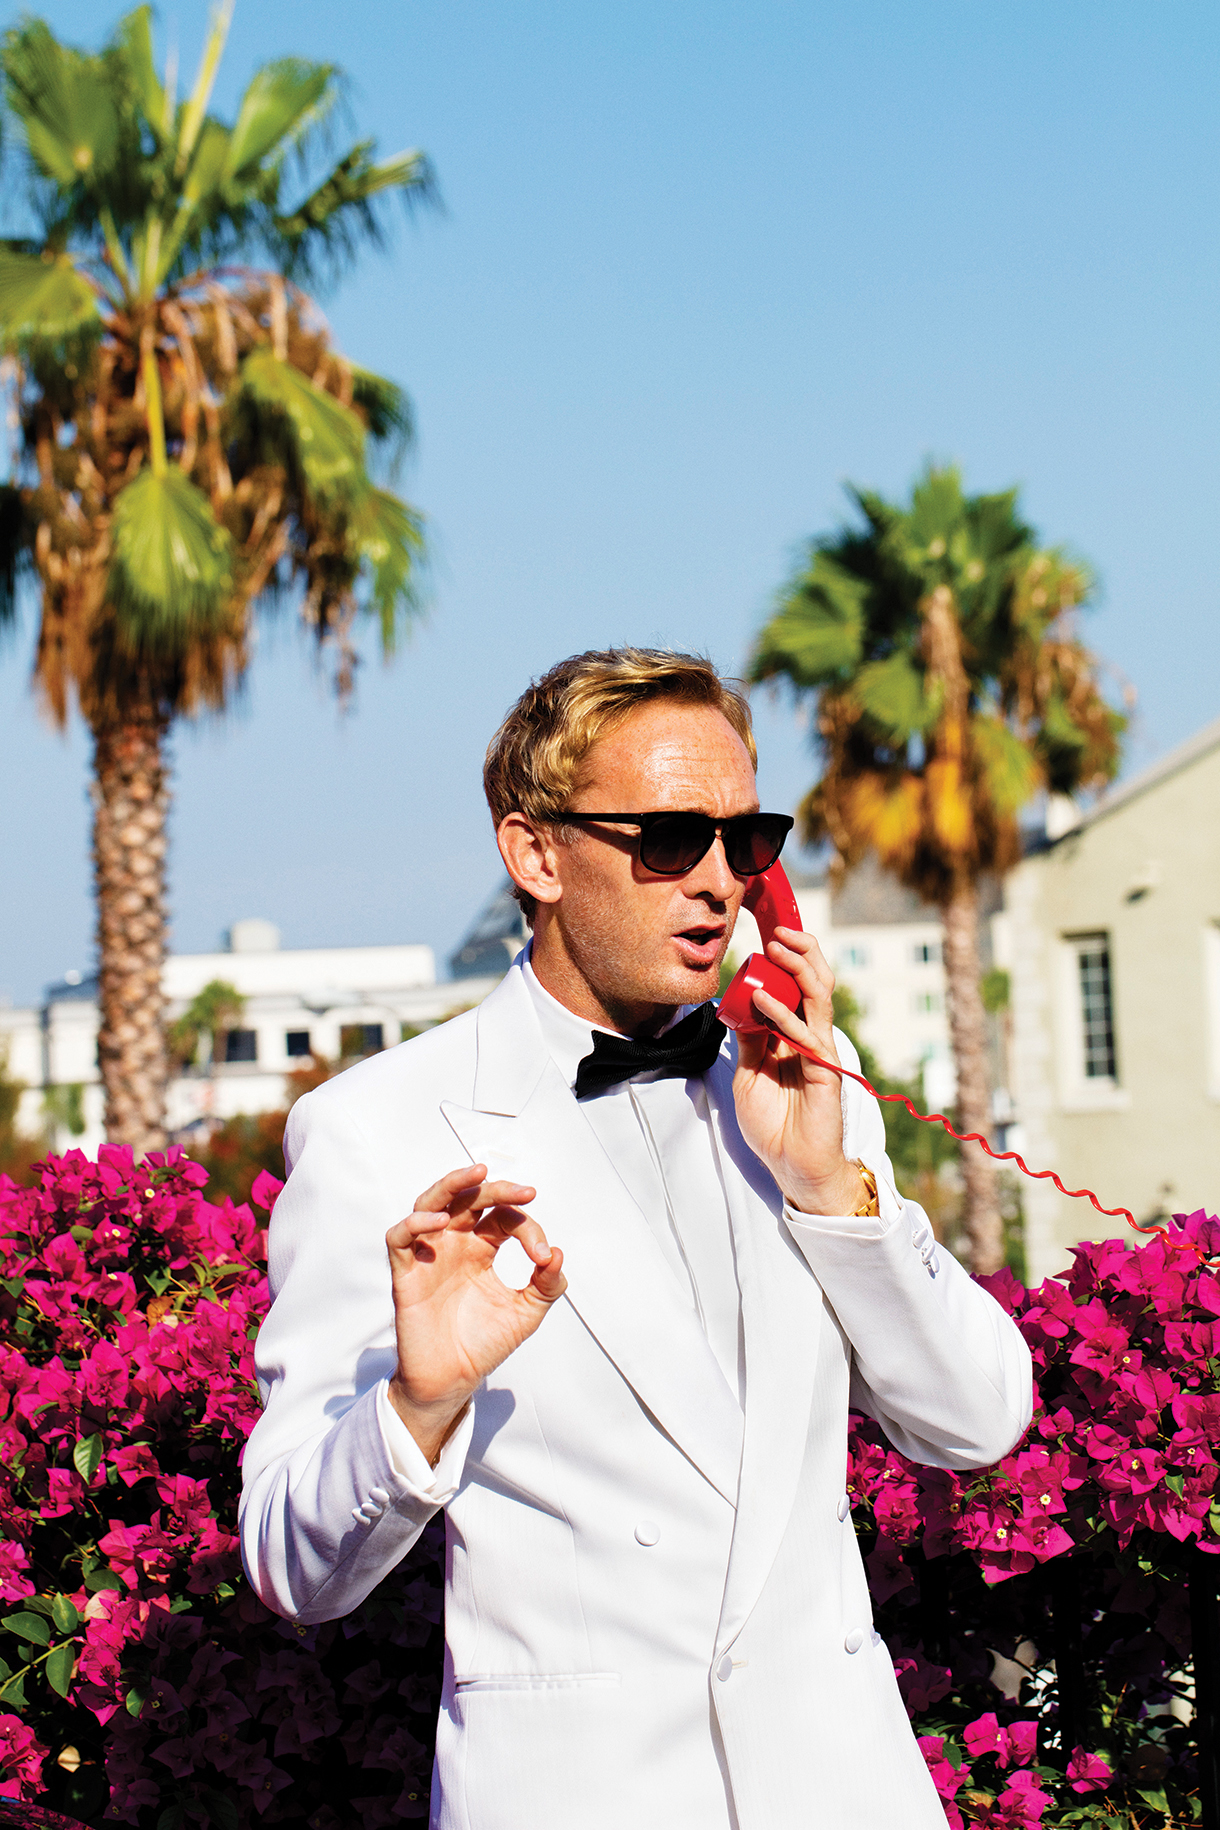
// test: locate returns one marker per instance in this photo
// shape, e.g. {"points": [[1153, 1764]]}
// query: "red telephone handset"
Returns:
{"points": [[772, 904]]}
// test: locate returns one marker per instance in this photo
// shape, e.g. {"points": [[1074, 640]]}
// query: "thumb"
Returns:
{"points": [[548, 1283]]}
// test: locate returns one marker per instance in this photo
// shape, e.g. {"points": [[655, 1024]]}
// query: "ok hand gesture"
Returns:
{"points": [[455, 1320]]}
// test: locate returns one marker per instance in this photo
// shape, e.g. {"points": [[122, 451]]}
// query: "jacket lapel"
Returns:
{"points": [[526, 1123], [782, 1312]]}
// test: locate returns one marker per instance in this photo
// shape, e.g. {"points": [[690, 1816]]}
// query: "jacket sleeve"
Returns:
{"points": [[943, 1369], [335, 1491]]}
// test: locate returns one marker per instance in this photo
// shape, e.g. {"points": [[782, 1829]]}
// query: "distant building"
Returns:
{"points": [[1111, 934], [499, 932], [299, 1002]]}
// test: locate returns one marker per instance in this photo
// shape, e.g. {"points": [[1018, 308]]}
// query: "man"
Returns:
{"points": [[656, 1613]]}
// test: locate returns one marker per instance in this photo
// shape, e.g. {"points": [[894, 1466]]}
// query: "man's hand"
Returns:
{"points": [[455, 1320], [790, 1111]]}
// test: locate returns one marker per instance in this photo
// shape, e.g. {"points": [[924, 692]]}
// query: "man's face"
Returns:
{"points": [[643, 944]]}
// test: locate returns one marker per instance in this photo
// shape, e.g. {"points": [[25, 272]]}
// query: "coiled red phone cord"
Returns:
{"points": [[974, 1137]]}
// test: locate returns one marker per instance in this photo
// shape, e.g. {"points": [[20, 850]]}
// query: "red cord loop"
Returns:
{"points": [[973, 1137]]}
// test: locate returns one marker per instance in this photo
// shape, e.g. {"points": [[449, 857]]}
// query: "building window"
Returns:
{"points": [[926, 952], [296, 1042], [1096, 1007], [241, 1045], [853, 956], [361, 1039], [928, 1003]]}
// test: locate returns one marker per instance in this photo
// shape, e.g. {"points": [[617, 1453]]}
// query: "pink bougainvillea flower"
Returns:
{"points": [[21, 1758], [1088, 1772]]}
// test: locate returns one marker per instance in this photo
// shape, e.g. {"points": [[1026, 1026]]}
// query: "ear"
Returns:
{"points": [[529, 857]]}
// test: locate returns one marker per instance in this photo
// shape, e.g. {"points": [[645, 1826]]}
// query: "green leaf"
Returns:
{"points": [[328, 436], [171, 571], [60, 1667], [64, 1614], [42, 298], [134, 40], [13, 1695], [86, 1456], [28, 1626], [172, 1818], [14, 1285], [41, 1604], [1010, 770], [893, 694], [818, 630], [65, 102], [388, 537], [1157, 1800], [1176, 1483], [134, 1700], [283, 100], [220, 1809], [96, 1579]]}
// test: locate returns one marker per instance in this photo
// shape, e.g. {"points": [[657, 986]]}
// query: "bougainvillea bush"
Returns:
{"points": [[141, 1681], [140, 1677], [1063, 1573]]}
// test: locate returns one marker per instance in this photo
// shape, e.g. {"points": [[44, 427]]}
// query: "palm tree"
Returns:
{"points": [[951, 687], [190, 443]]}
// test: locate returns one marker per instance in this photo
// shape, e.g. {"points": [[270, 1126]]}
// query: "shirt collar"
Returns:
{"points": [[568, 1038]]}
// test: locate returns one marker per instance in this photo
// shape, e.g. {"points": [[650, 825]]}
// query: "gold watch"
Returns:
{"points": [[872, 1206]]}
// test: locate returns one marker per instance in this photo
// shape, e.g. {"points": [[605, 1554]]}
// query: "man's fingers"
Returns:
{"points": [[438, 1197], [792, 1028], [802, 950]]}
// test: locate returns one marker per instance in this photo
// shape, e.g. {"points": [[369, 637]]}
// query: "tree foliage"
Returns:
{"points": [[951, 684], [191, 441]]}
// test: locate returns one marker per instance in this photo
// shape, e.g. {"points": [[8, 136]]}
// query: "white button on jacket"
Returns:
{"points": [[647, 1533]]}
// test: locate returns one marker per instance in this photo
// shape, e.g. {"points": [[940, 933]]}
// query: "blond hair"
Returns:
{"points": [[535, 759]]}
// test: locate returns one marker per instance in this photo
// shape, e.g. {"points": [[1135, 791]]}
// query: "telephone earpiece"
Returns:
{"points": [[772, 904]]}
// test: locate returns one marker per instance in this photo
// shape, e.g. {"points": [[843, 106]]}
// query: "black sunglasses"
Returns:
{"points": [[673, 843]]}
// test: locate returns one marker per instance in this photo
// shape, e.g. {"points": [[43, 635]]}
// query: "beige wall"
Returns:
{"points": [[1147, 874]]}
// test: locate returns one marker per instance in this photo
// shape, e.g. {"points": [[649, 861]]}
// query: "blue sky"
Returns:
{"points": [[698, 266]]}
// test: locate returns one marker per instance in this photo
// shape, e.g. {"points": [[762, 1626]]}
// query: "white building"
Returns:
{"points": [[297, 1003], [1112, 937]]}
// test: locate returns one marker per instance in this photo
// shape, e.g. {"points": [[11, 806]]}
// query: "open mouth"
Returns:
{"points": [[699, 946]]}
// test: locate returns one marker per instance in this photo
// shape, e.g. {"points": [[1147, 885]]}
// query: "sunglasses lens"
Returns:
{"points": [[753, 843], [675, 842]]}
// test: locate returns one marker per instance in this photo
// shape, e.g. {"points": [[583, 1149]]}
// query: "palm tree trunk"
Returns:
{"points": [[968, 1033], [130, 802]]}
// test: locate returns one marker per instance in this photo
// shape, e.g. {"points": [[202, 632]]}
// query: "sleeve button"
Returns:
{"points": [[724, 1670], [854, 1640], [843, 1508], [647, 1533]]}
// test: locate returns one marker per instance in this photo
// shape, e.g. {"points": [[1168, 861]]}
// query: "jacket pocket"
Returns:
{"points": [[536, 1680]]}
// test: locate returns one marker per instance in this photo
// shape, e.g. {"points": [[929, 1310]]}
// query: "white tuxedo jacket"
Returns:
{"points": [[656, 1613]]}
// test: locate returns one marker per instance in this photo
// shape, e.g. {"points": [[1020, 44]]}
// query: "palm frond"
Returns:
{"points": [[332, 220], [385, 406], [388, 536], [64, 102], [133, 41], [171, 569], [896, 697], [328, 437], [284, 99], [42, 297], [818, 631], [1010, 771]]}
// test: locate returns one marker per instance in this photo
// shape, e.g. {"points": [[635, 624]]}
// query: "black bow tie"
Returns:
{"points": [[690, 1047]]}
